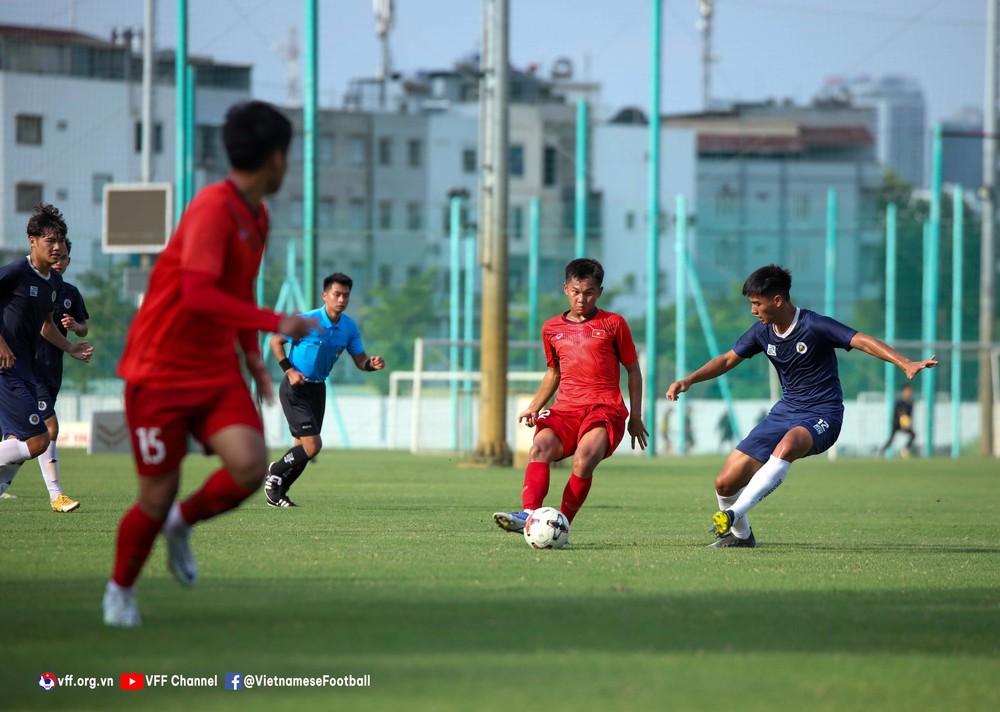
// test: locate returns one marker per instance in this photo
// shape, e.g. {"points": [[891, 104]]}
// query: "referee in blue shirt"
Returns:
{"points": [[303, 389]]}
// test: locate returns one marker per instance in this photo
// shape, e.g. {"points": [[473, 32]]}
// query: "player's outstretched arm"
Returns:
{"points": [[547, 389], [711, 369], [636, 427], [881, 350], [368, 363]]}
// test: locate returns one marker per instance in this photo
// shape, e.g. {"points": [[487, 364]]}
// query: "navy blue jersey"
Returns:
{"points": [[49, 357], [804, 357], [26, 298]]}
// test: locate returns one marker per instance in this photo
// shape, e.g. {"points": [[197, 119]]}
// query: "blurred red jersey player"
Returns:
{"points": [[180, 364], [583, 349]]}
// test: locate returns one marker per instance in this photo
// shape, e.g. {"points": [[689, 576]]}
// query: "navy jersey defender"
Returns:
{"points": [[807, 420]]}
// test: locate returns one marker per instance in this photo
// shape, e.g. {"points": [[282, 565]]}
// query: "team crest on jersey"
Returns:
{"points": [[32, 291], [67, 303], [53, 297], [599, 333], [801, 347], [771, 351]]}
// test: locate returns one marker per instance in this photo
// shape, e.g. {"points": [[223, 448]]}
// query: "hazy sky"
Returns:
{"points": [[766, 48]]}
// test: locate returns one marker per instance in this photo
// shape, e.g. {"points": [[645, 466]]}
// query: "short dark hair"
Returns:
{"points": [[46, 219], [338, 278], [585, 268], [253, 130], [69, 247], [768, 281]]}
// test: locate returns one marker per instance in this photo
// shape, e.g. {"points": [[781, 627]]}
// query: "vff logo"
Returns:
{"points": [[234, 681], [47, 681]]}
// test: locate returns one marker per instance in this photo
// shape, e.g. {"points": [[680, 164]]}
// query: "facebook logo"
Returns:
{"points": [[234, 681]]}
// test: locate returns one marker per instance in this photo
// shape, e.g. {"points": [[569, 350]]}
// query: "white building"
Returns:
{"points": [[70, 108]]}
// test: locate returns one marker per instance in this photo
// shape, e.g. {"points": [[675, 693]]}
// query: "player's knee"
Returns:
{"points": [[541, 453], [312, 448], [38, 444], [725, 486]]}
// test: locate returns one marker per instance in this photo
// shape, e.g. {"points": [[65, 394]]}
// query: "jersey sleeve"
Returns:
{"points": [[209, 226], [8, 280], [834, 332], [551, 358], [625, 344], [748, 345], [354, 345], [79, 309]]}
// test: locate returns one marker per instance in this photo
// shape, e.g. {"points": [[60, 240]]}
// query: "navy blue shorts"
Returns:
{"points": [[46, 399], [19, 414], [761, 441]]}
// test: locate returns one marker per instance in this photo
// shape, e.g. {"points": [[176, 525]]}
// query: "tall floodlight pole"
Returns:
{"points": [[653, 235], [987, 257], [580, 216], [706, 9], [494, 146], [931, 288], [383, 24], [310, 100], [181, 111], [148, 34]]}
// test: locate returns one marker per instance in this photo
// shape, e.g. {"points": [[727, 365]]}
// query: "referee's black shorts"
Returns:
{"points": [[304, 406]]}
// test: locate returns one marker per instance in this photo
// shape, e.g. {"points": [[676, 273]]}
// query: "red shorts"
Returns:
{"points": [[570, 426], [161, 418]]}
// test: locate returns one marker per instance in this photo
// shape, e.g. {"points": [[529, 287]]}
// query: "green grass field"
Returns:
{"points": [[876, 585]]}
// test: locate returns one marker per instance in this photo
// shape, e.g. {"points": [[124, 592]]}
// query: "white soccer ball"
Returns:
{"points": [[546, 528]]}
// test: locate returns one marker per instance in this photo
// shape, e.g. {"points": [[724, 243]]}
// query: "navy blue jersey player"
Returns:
{"points": [[28, 290], [69, 314], [807, 420]]}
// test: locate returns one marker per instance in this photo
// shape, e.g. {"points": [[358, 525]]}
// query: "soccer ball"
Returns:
{"points": [[546, 528]]}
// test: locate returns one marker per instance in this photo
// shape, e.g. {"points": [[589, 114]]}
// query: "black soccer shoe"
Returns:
{"points": [[731, 540], [272, 490]]}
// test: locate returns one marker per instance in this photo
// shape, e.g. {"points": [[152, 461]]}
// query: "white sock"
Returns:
{"points": [[764, 482], [13, 452], [175, 522], [7, 475], [741, 526], [48, 463]]}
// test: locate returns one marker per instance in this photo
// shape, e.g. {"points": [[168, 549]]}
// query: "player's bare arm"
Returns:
{"points": [[368, 363], [80, 350], [6, 355], [879, 349], [261, 376], [547, 389], [712, 369], [636, 428], [295, 377], [80, 328]]}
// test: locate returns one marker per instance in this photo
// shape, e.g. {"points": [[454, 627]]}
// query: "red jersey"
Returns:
{"points": [[170, 343], [587, 355]]}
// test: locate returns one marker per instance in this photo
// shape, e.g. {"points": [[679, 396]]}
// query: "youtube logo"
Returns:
{"points": [[132, 681]]}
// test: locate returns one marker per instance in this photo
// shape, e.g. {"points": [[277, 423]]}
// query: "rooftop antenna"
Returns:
{"points": [[706, 8], [290, 53], [384, 16]]}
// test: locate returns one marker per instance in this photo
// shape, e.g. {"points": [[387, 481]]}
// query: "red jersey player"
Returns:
{"points": [[180, 365], [583, 347]]}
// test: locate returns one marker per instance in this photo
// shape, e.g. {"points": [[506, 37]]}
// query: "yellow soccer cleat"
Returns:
{"points": [[62, 503], [722, 522]]}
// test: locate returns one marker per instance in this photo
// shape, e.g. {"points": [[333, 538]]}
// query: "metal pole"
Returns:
{"points": [[931, 272], [653, 238], [454, 273], [534, 242], [829, 301], [958, 205], [148, 34], [580, 221], [495, 140], [190, 120], [180, 112], [681, 260], [468, 334], [310, 101], [987, 253], [890, 311]]}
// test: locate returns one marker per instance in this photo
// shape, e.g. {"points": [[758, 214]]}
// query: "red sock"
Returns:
{"points": [[575, 495], [136, 533], [219, 494], [536, 485]]}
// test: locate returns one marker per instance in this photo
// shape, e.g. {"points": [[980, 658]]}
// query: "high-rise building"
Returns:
{"points": [[962, 149], [898, 122]]}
